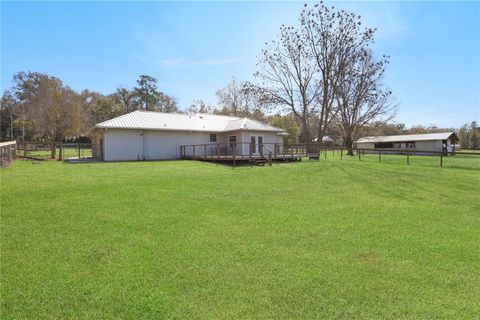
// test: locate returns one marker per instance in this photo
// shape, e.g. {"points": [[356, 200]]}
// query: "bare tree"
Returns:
{"points": [[234, 100], [127, 98], [287, 75], [361, 95], [199, 106], [333, 37]]}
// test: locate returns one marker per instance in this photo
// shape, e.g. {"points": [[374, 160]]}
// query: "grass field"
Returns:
{"points": [[191, 240]]}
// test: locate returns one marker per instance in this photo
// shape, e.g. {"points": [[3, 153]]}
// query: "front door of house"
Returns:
{"points": [[256, 144]]}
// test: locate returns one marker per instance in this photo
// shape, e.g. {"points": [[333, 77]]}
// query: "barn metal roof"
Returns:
{"points": [[150, 120], [410, 137]]}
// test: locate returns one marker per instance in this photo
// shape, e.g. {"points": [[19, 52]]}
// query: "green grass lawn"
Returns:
{"points": [[192, 240]]}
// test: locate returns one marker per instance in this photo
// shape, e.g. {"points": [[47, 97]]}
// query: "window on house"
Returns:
{"points": [[397, 145], [232, 140], [410, 145], [213, 137]]}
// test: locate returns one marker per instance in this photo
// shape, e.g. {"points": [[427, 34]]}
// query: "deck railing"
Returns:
{"points": [[241, 151], [238, 151]]}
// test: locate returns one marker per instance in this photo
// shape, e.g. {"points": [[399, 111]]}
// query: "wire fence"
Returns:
{"points": [[7, 153], [53, 150]]}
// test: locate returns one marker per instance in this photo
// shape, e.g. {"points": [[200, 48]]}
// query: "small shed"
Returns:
{"points": [[437, 142]]}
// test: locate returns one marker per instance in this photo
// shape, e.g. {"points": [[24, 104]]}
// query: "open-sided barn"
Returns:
{"points": [[436, 142]]}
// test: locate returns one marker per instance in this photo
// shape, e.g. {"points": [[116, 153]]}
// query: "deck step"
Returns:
{"points": [[260, 161]]}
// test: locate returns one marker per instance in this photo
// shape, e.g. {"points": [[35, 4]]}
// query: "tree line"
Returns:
{"points": [[41, 107]]}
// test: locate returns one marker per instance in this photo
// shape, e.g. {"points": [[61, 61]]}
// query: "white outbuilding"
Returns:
{"points": [[436, 142], [147, 135]]}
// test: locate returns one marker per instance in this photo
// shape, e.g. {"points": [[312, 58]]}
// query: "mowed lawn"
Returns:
{"points": [[192, 240]]}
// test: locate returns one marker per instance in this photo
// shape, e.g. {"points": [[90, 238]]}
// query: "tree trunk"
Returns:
{"points": [[349, 143], [305, 132]]}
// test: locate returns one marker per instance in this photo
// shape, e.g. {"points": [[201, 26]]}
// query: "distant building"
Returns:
{"points": [[326, 140], [438, 142]]}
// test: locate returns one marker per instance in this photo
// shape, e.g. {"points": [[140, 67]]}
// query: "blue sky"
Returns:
{"points": [[194, 48]]}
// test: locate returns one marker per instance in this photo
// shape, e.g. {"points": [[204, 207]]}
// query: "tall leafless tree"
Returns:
{"points": [[234, 100], [333, 36], [361, 95], [287, 77]]}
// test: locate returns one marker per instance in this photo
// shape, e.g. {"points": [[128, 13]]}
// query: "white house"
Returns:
{"points": [[438, 142], [146, 135]]}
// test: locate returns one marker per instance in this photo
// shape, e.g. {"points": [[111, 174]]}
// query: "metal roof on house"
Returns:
{"points": [[150, 120], [409, 137]]}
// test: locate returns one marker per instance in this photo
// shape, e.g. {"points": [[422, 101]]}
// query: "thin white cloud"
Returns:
{"points": [[185, 63], [181, 62]]}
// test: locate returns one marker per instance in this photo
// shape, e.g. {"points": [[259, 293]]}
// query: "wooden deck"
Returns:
{"points": [[272, 152]]}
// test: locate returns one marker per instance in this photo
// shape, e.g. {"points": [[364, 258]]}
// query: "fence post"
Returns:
{"points": [[341, 154], [275, 151], [218, 151], [270, 158], [408, 157], [205, 152], [24, 149], [358, 151], [52, 150], [194, 157], [60, 152], [441, 159], [379, 156]]}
